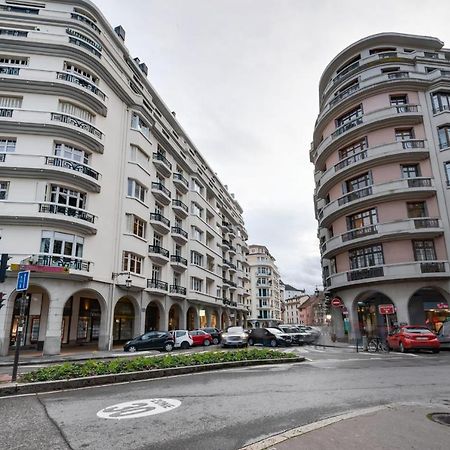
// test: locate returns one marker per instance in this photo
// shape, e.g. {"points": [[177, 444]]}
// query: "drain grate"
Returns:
{"points": [[442, 418]]}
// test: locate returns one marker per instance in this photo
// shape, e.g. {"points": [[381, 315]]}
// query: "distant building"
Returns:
{"points": [[292, 308], [266, 288], [291, 291]]}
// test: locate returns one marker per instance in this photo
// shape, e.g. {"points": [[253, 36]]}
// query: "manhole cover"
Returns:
{"points": [[442, 418]]}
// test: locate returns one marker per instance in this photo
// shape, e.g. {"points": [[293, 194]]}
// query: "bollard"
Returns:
{"points": [[364, 343]]}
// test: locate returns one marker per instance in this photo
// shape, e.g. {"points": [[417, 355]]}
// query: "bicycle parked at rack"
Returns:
{"points": [[377, 345]]}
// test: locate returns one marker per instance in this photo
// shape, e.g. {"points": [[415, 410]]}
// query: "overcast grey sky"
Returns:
{"points": [[242, 76]]}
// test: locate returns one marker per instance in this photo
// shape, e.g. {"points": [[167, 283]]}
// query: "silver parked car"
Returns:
{"points": [[443, 334], [235, 337]]}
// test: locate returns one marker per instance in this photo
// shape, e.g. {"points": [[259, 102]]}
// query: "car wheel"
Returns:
{"points": [[132, 349], [402, 348], [250, 342], [185, 345], [215, 341], [168, 347], [435, 350], [206, 342], [273, 343]]}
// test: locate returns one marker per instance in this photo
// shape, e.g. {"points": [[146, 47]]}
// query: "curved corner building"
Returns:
{"points": [[125, 226], [381, 151]]}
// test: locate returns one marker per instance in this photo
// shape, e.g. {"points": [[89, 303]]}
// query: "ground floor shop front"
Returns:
{"points": [[58, 314], [374, 312]]}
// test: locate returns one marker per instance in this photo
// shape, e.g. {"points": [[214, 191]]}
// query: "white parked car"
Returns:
{"points": [[182, 338]]}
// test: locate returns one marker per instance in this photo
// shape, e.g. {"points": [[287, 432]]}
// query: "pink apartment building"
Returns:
{"points": [[381, 151]]}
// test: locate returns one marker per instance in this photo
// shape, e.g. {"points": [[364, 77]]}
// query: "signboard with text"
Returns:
{"points": [[386, 309]]}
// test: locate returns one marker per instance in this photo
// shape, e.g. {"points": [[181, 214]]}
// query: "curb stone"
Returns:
{"points": [[97, 380]]}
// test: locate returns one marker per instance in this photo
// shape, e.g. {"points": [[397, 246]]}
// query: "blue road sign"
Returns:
{"points": [[23, 280]]}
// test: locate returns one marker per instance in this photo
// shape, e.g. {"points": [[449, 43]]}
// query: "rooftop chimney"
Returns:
{"points": [[120, 32], [144, 68]]}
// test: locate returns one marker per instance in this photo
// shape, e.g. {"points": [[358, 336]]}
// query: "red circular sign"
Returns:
{"points": [[336, 302]]}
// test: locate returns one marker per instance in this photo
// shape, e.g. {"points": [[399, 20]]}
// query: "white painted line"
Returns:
{"points": [[139, 408], [295, 432]]}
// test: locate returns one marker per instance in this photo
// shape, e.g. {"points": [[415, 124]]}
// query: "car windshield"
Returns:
{"points": [[235, 330], [274, 330], [417, 330]]}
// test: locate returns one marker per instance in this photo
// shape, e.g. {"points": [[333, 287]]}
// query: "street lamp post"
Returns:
{"points": [[128, 283]]}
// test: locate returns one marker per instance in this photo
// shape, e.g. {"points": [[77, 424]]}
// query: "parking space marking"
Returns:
{"points": [[138, 408]]}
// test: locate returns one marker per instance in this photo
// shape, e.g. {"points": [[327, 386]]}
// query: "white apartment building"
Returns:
{"points": [[292, 304], [267, 289], [124, 225]]}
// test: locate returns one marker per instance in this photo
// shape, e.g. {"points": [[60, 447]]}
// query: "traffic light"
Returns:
{"points": [[3, 266], [2, 299]]}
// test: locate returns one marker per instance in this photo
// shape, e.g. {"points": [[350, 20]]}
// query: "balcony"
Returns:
{"points": [[50, 167], [157, 287], [231, 232], [180, 208], [161, 193], [390, 272], [177, 291], [232, 250], [344, 94], [393, 115], [160, 223], [77, 213], [401, 189], [86, 20], [408, 150], [162, 164], [179, 235], [78, 123], [158, 254], [226, 244], [180, 182], [82, 82], [178, 262], [69, 263]]}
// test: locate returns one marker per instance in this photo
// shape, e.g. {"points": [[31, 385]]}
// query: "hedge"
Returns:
{"points": [[89, 368]]}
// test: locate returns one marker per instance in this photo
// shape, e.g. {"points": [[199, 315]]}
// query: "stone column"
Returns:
{"points": [[52, 343], [183, 318]]}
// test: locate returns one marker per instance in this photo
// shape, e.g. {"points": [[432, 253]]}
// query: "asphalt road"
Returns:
{"points": [[225, 409]]}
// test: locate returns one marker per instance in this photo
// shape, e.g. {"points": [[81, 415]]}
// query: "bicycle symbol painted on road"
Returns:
{"points": [[139, 408]]}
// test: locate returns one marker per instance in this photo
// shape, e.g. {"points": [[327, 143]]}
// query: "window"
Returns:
{"points": [[362, 219], [10, 102], [353, 149], [410, 171], [404, 134], [139, 227], [13, 60], [443, 134], [366, 257], [398, 100], [55, 243], [136, 190], [375, 51], [349, 116], [137, 123], [132, 263], [390, 69], [196, 258], [78, 70], [4, 187], [176, 279], [447, 171], [159, 209], [196, 284], [76, 111], [416, 209], [197, 234], [197, 187], [65, 196], [196, 209], [156, 273], [177, 250], [440, 101], [138, 156], [72, 153], [424, 250], [358, 182], [157, 240], [7, 145]]}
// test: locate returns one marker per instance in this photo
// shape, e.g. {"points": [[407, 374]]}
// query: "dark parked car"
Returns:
{"points": [[215, 333], [271, 337], [152, 340]]}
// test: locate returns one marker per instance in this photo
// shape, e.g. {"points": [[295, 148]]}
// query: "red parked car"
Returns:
{"points": [[413, 338], [200, 337]]}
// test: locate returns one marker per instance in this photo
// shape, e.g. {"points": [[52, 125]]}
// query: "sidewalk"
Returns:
{"points": [[399, 427]]}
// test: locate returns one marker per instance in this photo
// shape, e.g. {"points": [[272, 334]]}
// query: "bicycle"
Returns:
{"points": [[377, 345]]}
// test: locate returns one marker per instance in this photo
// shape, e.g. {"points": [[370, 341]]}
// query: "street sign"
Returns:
{"points": [[336, 302], [23, 280], [386, 309]]}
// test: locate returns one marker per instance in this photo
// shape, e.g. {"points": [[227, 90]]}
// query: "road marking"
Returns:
{"points": [[139, 408]]}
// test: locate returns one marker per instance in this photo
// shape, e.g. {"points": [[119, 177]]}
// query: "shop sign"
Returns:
{"points": [[336, 302], [386, 309], [442, 306]]}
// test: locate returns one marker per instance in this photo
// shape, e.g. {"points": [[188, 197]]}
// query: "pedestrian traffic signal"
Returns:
{"points": [[2, 299], [3, 266]]}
